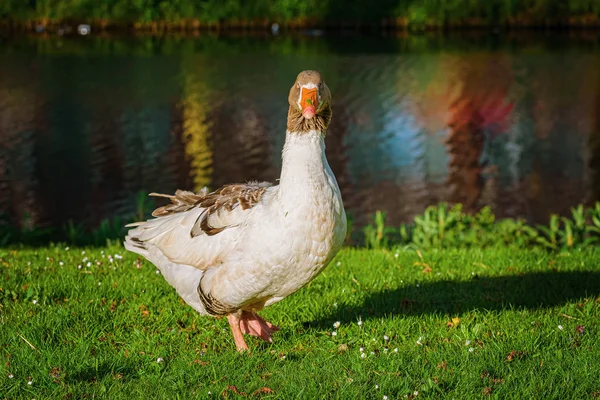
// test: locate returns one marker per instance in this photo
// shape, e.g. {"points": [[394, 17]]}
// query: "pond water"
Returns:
{"points": [[510, 121]]}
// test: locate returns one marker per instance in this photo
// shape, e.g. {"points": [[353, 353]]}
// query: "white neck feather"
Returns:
{"points": [[304, 162]]}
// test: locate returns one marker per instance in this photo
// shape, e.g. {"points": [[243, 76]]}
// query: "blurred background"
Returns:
{"points": [[102, 103]]}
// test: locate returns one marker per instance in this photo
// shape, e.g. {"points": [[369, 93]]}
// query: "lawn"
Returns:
{"points": [[498, 323]]}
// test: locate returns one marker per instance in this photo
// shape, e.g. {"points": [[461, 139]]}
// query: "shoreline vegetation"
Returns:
{"points": [[439, 226], [185, 15]]}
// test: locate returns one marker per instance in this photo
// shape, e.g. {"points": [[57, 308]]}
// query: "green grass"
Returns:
{"points": [[466, 324]]}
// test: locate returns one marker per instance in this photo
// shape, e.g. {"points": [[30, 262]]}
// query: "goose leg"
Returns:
{"points": [[238, 337], [252, 324]]}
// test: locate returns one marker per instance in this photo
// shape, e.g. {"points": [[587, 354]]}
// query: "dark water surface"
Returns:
{"points": [[507, 121]]}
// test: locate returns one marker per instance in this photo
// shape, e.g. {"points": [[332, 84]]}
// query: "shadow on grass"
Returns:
{"points": [[94, 374], [527, 291]]}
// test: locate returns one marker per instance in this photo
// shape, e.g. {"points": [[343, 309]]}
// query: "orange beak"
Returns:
{"points": [[309, 102]]}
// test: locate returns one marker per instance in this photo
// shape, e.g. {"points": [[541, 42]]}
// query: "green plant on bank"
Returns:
{"points": [[377, 236], [583, 228], [442, 226], [108, 230]]}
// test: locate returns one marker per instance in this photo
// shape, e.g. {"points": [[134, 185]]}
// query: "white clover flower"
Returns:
{"points": [[359, 323], [79, 266], [61, 263], [157, 272], [34, 302], [118, 256], [10, 376], [30, 382], [334, 333], [362, 349], [99, 283], [396, 350], [362, 355], [467, 342], [336, 324], [385, 397], [67, 248], [416, 392], [376, 387], [560, 327], [471, 349], [159, 360], [339, 263], [386, 337], [83, 252], [89, 264]]}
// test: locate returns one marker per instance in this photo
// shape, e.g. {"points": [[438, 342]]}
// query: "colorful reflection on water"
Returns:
{"points": [[88, 123]]}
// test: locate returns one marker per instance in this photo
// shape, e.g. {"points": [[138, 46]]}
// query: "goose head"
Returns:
{"points": [[309, 101]]}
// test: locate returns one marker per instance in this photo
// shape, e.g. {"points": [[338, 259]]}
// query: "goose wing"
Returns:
{"points": [[197, 228]]}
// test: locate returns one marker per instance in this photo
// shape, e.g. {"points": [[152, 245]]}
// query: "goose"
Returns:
{"points": [[246, 246]]}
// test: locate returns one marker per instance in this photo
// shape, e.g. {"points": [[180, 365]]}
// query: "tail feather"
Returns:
{"points": [[135, 245], [184, 278]]}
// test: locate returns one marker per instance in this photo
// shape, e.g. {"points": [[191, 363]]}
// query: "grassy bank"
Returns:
{"points": [[412, 14], [433, 324]]}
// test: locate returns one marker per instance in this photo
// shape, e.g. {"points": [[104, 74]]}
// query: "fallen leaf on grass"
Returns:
{"points": [[56, 374], [454, 323], [263, 390], [233, 389], [422, 264], [485, 375], [514, 354]]}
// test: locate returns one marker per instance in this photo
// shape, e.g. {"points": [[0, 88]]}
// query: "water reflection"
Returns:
{"points": [[87, 124]]}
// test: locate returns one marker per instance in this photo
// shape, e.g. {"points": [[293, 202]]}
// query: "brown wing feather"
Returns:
{"points": [[226, 198], [181, 201]]}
